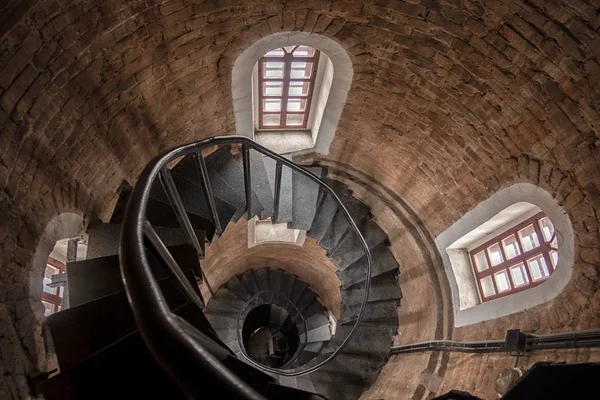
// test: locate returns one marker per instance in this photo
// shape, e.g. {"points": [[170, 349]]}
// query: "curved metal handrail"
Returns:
{"points": [[152, 315]]}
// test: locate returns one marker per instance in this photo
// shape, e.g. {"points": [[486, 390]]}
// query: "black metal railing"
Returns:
{"points": [[180, 348]]}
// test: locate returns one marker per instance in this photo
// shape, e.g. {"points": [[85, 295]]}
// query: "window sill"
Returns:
{"points": [[285, 141]]}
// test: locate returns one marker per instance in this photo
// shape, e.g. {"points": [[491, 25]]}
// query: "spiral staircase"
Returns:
{"points": [[139, 327]]}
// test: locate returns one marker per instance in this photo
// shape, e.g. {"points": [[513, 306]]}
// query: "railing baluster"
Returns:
{"points": [[278, 169], [247, 180], [172, 265], [210, 197], [166, 179]]}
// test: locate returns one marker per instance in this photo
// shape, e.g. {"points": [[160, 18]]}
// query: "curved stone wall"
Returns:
{"points": [[450, 102]]}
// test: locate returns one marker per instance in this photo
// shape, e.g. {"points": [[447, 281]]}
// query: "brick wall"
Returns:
{"points": [[230, 255], [450, 102]]}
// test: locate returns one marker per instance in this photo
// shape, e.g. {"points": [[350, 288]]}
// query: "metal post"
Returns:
{"points": [[166, 179], [172, 265], [247, 180], [278, 169], [210, 197]]}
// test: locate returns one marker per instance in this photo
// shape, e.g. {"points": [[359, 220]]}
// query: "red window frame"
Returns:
{"points": [[287, 59], [54, 298], [545, 248]]}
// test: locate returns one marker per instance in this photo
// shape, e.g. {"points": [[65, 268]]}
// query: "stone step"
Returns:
{"points": [[350, 249], [261, 276], [382, 261], [101, 324], [260, 184], [367, 340], [383, 287], [99, 277], [326, 211], [326, 386], [104, 239], [235, 286], [379, 313], [340, 226], [190, 188], [305, 193], [249, 283]]}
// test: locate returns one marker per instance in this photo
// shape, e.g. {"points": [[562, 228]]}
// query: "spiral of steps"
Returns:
{"points": [[108, 341], [293, 306]]}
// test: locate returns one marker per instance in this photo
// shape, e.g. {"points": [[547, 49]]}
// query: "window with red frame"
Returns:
{"points": [[286, 80], [518, 259], [52, 296]]}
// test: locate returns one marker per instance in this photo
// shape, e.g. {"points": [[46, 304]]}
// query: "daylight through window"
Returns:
{"points": [[517, 259], [286, 80]]}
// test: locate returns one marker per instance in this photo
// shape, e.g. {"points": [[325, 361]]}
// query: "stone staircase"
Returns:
{"points": [[107, 340]]}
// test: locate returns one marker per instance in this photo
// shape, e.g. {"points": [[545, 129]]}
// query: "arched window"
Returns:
{"points": [[286, 82], [519, 256], [512, 252], [289, 90]]}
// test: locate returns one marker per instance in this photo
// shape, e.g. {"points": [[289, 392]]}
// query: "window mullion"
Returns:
{"points": [[287, 75], [311, 87], [490, 267], [543, 244], [260, 93], [506, 265], [524, 258]]}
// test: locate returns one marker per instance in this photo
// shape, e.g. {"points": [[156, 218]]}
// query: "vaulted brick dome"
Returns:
{"points": [[450, 102]]}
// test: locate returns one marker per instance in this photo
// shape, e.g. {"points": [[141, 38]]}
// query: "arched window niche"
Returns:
{"points": [[507, 213], [333, 80]]}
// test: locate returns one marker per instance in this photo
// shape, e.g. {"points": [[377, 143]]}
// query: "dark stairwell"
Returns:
{"points": [[127, 341]]}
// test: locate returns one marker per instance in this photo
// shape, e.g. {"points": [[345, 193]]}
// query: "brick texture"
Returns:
{"points": [[230, 255], [450, 102]]}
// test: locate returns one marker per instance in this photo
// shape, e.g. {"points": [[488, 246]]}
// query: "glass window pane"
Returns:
{"points": [[272, 105], [301, 70], [48, 308], [487, 286], [554, 257], [271, 119], [289, 49], [275, 53], [547, 228], [502, 281], [511, 247], [296, 105], [272, 88], [529, 238], [481, 261], [299, 88], [304, 51], [273, 70], [519, 275], [538, 268], [294, 119], [495, 254]]}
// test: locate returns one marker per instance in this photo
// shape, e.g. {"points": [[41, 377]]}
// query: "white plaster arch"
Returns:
{"points": [[241, 87], [521, 301], [62, 226]]}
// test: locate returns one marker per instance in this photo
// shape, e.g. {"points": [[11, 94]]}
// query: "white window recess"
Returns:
{"points": [[503, 210], [333, 80], [265, 232]]}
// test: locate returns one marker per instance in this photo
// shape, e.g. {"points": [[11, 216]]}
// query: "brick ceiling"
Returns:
{"points": [[450, 101]]}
